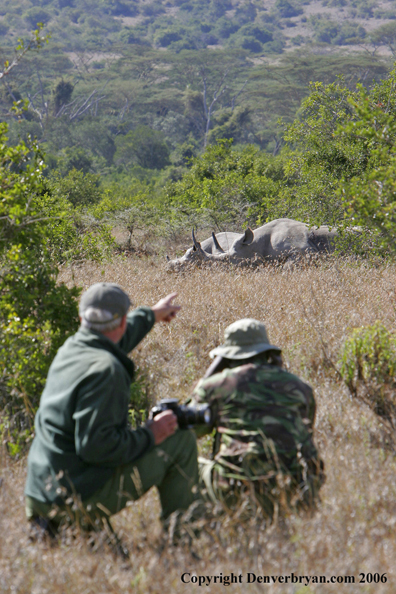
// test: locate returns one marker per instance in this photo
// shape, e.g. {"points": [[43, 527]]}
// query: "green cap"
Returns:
{"points": [[104, 296], [243, 339]]}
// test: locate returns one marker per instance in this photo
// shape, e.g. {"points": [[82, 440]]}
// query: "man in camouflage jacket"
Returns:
{"points": [[263, 418]]}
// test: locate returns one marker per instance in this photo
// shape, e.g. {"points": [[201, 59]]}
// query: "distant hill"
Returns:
{"points": [[262, 28], [183, 72]]}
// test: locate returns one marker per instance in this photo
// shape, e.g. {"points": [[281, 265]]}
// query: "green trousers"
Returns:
{"points": [[171, 466]]}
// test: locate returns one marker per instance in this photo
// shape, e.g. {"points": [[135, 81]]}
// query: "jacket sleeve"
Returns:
{"points": [[201, 396], [102, 435], [139, 323]]}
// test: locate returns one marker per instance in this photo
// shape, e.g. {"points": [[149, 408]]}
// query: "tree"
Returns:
{"points": [[370, 198], [35, 42], [287, 9], [386, 36], [79, 188], [226, 186], [143, 146], [36, 313], [342, 168], [212, 85], [62, 94]]}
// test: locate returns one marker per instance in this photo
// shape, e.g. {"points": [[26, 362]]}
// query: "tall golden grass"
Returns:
{"points": [[308, 312]]}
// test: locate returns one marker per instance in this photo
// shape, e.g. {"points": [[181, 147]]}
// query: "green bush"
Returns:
{"points": [[252, 44], [287, 9], [36, 313], [368, 367], [227, 186], [72, 235], [143, 146], [79, 188], [35, 15]]}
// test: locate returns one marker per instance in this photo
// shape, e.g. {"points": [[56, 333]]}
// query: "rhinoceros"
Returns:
{"points": [[214, 245], [284, 238]]}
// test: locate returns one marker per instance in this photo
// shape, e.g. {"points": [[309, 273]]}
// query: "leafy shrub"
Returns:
{"points": [[117, 7], [79, 188], [165, 38], [36, 15], [261, 34], [72, 235], [368, 367], [287, 9], [129, 35], [246, 12], [152, 9], [62, 93], [350, 33], [4, 28], [226, 27], [75, 158], [36, 314], [251, 44], [226, 185], [143, 146]]}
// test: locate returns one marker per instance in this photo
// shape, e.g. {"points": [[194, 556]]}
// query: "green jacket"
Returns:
{"points": [[81, 426]]}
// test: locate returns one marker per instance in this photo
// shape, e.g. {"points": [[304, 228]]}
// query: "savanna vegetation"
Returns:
{"points": [[107, 169], [134, 89]]}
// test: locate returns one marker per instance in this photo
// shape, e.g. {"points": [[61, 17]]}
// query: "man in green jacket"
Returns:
{"points": [[85, 463]]}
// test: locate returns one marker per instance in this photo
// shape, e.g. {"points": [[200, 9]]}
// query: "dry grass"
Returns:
{"points": [[308, 312]]}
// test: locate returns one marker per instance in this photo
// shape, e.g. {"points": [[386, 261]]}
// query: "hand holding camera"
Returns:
{"points": [[186, 416], [164, 425]]}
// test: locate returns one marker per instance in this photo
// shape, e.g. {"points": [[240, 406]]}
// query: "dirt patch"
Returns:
{"points": [[130, 21], [87, 58]]}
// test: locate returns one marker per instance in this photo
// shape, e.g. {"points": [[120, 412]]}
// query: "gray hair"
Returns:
{"points": [[99, 320]]}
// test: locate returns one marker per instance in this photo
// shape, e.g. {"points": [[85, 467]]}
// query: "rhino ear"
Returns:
{"points": [[248, 236], [216, 243]]}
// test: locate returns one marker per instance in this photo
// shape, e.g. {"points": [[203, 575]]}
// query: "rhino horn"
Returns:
{"points": [[196, 243], [216, 243], [248, 236], [197, 247]]}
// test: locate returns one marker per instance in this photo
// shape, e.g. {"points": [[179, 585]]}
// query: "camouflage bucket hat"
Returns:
{"points": [[243, 339]]}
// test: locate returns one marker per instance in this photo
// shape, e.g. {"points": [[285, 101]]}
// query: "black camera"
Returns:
{"points": [[187, 416]]}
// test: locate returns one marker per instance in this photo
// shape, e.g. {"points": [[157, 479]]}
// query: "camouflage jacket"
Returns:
{"points": [[263, 416]]}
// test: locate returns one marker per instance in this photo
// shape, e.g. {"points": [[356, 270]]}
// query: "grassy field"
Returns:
{"points": [[308, 312]]}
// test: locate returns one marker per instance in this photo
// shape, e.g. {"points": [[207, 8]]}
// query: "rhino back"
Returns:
{"points": [[289, 235], [273, 239], [225, 239]]}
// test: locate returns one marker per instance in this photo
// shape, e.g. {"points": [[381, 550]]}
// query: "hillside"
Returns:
{"points": [[180, 73], [258, 27]]}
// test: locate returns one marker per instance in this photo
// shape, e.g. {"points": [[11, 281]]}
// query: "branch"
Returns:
{"points": [[64, 107], [35, 42], [123, 110], [237, 95], [21, 114], [37, 111], [44, 104]]}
